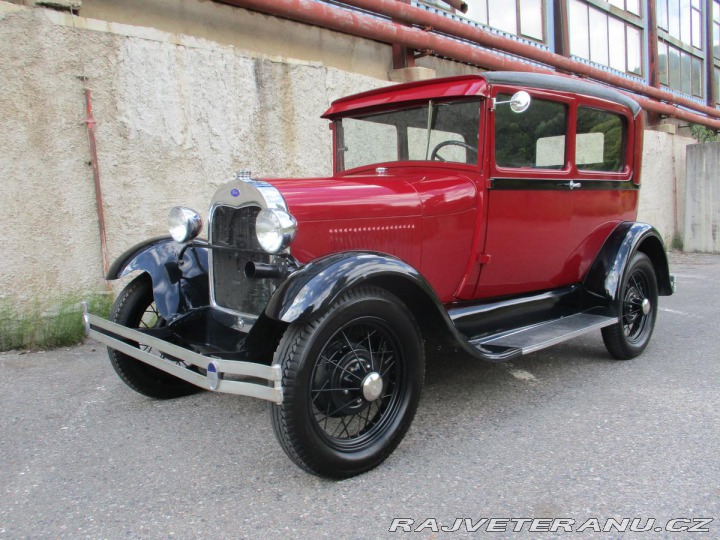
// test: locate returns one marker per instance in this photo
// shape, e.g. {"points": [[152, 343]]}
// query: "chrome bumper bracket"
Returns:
{"points": [[100, 329]]}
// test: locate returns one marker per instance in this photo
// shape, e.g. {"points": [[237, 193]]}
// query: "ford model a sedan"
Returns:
{"points": [[495, 212]]}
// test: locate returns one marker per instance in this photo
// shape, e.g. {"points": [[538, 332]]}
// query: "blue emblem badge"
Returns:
{"points": [[235, 192]]}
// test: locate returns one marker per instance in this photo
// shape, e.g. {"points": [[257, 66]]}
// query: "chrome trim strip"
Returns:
{"points": [[271, 374], [561, 184]]}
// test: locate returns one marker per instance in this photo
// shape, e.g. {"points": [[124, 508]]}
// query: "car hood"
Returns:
{"points": [[376, 196]]}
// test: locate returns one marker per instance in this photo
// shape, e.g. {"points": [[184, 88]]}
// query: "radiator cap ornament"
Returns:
{"points": [[243, 175]]}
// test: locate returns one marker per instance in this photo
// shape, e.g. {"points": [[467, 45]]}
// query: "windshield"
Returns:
{"points": [[445, 131]]}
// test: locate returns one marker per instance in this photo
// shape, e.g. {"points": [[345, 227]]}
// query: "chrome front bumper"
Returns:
{"points": [[269, 386]]}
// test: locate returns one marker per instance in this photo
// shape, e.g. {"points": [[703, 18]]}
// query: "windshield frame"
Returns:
{"points": [[339, 147]]}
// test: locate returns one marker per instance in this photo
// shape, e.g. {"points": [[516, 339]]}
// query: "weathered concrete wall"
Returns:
{"points": [[176, 116], [662, 196], [702, 209]]}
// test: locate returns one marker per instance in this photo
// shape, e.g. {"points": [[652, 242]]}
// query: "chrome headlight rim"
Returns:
{"points": [[275, 229], [184, 224]]}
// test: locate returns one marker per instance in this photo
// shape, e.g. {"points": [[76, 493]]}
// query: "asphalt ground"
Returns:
{"points": [[563, 433]]}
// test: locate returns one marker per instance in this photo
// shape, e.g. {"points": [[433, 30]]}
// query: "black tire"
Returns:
{"points": [[637, 311], [135, 308], [331, 422]]}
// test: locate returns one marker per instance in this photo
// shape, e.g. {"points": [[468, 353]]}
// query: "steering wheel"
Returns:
{"points": [[439, 146]]}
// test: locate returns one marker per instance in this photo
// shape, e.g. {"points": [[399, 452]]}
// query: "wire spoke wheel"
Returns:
{"points": [[355, 384], [351, 384], [135, 308], [638, 310]]}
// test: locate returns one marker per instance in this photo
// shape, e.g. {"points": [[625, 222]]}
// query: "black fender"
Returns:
{"points": [[310, 291], [179, 284], [605, 275]]}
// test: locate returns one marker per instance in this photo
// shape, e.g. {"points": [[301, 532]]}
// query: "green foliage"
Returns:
{"points": [[677, 243], [44, 328], [702, 134]]}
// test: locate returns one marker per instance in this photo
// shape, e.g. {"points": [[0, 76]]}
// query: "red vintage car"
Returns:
{"points": [[495, 212]]}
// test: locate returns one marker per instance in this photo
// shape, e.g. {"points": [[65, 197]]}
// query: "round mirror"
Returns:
{"points": [[520, 101]]}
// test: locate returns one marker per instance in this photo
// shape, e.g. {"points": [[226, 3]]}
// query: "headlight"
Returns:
{"points": [[184, 224], [275, 229]]}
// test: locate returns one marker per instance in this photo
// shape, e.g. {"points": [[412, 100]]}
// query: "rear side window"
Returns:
{"points": [[600, 141], [534, 138]]}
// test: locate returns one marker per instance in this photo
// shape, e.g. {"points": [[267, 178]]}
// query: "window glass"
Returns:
{"points": [[663, 62], [616, 43], [439, 143], [662, 14], [599, 145], [633, 6], [674, 67], [686, 73], [598, 36], [403, 134], [674, 18], [696, 77], [579, 36], [503, 16], [368, 141], [477, 11], [685, 26], [634, 60], [696, 33], [534, 138], [531, 18], [717, 85]]}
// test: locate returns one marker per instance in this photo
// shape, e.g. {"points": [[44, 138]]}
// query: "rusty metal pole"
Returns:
{"points": [[90, 124], [709, 55], [653, 55], [402, 56]]}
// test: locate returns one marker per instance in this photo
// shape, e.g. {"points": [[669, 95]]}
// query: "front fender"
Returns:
{"points": [[178, 284], [310, 291], [605, 275]]}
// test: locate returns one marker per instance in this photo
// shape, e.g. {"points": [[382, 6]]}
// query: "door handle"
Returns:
{"points": [[572, 185]]}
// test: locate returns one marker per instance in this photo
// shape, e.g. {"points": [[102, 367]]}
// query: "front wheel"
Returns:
{"points": [[135, 308], [637, 311], [351, 382]]}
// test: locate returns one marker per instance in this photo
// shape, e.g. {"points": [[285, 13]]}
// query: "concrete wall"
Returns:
{"points": [[176, 115], [702, 201], [662, 196]]}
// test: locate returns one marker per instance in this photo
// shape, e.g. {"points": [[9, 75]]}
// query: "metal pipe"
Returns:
{"points": [[90, 124], [362, 25]]}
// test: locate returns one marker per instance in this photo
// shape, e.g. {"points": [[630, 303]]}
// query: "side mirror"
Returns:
{"points": [[518, 103]]}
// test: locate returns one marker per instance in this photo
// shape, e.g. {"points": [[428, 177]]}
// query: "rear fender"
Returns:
{"points": [[605, 276], [179, 284]]}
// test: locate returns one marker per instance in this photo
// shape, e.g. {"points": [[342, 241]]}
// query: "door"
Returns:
{"points": [[529, 198]]}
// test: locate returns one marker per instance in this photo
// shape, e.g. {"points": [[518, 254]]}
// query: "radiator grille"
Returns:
{"points": [[235, 228]]}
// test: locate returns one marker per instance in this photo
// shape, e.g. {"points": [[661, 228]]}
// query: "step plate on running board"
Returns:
{"points": [[539, 336]]}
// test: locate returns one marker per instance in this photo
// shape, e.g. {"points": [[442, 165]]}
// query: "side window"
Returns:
{"points": [[534, 138], [600, 140]]}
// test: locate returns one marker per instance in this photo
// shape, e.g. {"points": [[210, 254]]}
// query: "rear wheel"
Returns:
{"points": [[351, 381], [637, 312], [135, 308]]}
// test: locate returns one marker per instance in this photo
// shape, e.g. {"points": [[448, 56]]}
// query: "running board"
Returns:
{"points": [[539, 336]]}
